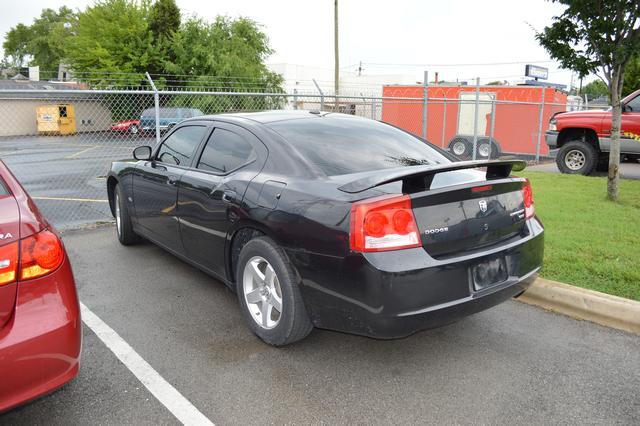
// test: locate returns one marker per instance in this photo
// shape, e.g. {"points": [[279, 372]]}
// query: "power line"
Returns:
{"points": [[457, 65]]}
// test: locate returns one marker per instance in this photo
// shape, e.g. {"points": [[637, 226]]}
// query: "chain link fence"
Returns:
{"points": [[60, 141]]}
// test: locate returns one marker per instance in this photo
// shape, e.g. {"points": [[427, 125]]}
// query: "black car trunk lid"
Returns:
{"points": [[468, 217]]}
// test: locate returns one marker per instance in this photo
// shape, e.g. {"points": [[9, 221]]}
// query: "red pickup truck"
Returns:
{"points": [[584, 137]]}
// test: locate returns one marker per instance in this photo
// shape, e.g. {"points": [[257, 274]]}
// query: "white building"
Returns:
{"points": [[310, 80], [352, 83]]}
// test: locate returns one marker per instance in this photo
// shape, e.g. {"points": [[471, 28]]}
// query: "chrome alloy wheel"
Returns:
{"points": [[459, 148], [262, 292], [118, 218], [575, 159]]}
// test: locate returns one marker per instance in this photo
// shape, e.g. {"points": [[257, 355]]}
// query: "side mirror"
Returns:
{"points": [[142, 153]]}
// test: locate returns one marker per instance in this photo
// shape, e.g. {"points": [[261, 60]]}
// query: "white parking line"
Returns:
{"points": [[88, 200], [168, 396]]}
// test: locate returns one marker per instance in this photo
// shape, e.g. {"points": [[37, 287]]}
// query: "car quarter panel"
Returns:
{"points": [[40, 347]]}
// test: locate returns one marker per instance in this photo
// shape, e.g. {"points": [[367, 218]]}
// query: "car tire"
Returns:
{"points": [[577, 157], [133, 129], [460, 147], [124, 227], [266, 281]]}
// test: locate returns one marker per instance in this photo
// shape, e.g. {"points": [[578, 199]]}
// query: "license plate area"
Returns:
{"points": [[489, 273]]}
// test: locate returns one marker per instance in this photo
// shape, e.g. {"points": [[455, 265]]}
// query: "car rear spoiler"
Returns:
{"points": [[496, 169]]}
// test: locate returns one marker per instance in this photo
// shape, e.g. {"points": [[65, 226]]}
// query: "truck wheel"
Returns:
{"points": [[577, 157], [460, 148]]}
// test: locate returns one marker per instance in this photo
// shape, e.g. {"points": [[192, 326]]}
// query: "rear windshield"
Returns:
{"points": [[346, 145]]}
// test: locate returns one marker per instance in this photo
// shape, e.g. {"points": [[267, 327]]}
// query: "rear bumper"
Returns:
{"points": [[551, 138], [394, 294], [40, 346]]}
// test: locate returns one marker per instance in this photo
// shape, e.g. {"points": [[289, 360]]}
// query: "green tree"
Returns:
{"points": [[595, 89], [227, 55], [631, 76], [112, 42], [49, 34], [42, 42], [15, 45], [225, 48], [598, 36], [164, 22], [164, 19]]}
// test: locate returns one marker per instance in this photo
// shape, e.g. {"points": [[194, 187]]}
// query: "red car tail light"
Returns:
{"points": [[41, 253], [527, 196], [382, 224], [8, 263]]}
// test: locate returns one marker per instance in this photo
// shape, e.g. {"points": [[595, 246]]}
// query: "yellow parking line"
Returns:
{"points": [[90, 200], [81, 152]]}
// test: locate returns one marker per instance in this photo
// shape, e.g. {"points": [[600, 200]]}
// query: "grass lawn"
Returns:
{"points": [[589, 242]]}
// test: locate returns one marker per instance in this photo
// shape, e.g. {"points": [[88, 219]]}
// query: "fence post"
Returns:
{"points": [[425, 104], [475, 119], [373, 108], [321, 94], [156, 101], [444, 120], [540, 125], [493, 123], [295, 98]]}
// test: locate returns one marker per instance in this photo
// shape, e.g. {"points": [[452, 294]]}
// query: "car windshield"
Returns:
{"points": [[340, 145]]}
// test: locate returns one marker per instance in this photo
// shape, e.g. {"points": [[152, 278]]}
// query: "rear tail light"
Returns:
{"points": [[383, 224], [41, 253], [32, 257], [527, 196], [8, 263]]}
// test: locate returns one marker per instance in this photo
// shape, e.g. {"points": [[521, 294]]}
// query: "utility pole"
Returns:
{"points": [[336, 71]]}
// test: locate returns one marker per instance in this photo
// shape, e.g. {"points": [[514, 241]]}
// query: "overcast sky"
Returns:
{"points": [[381, 34]]}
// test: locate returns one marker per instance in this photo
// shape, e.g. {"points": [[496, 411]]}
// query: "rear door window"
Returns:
{"points": [[225, 151], [339, 145], [179, 147]]}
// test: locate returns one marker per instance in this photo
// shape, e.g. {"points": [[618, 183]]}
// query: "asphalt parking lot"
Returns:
{"points": [[514, 364], [628, 170], [66, 174]]}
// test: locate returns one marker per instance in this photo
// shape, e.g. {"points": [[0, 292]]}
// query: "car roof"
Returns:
{"points": [[265, 117]]}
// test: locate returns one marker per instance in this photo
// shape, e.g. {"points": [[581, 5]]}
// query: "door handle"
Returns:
{"points": [[172, 180], [229, 196]]}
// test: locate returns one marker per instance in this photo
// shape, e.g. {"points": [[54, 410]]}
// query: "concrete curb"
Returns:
{"points": [[582, 304]]}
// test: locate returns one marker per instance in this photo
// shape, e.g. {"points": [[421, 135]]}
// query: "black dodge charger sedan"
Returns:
{"points": [[333, 221]]}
